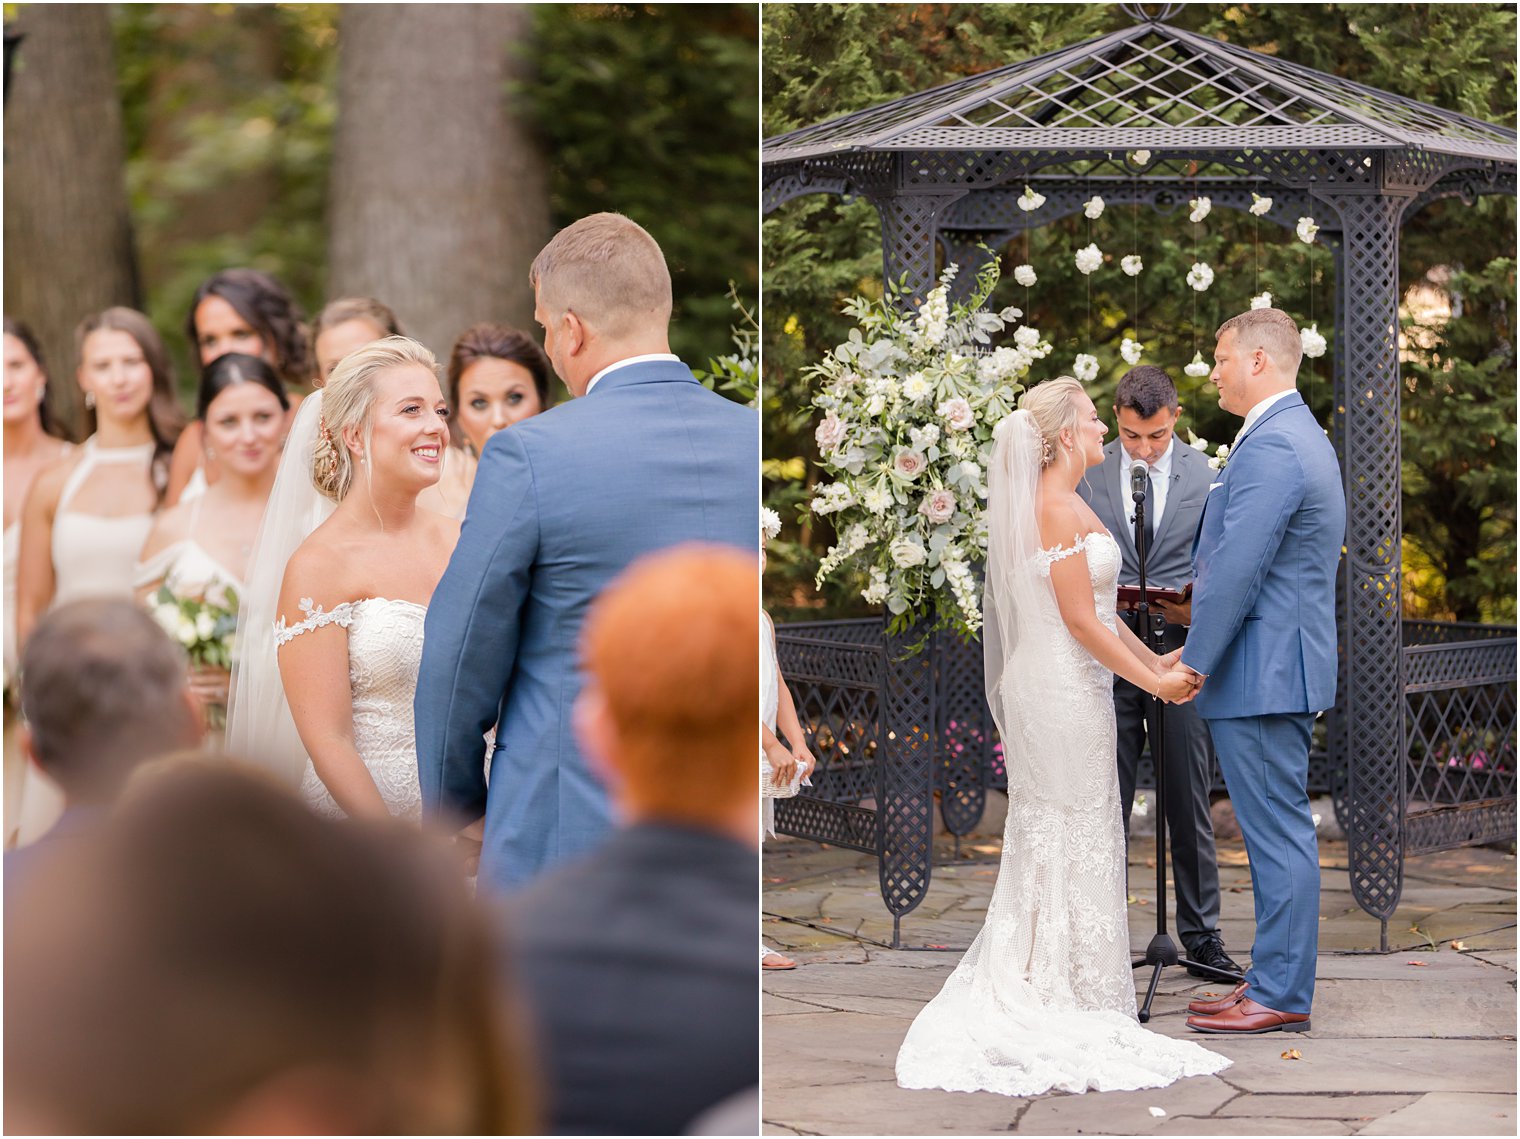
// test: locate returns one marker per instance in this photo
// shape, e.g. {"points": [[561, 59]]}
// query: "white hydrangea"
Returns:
{"points": [[924, 437], [1024, 275], [1201, 208], [1198, 368], [1306, 230], [1200, 276], [1130, 350], [1259, 205], [1089, 258], [1026, 337], [1313, 343], [1085, 368], [1093, 207], [1264, 300], [876, 592], [830, 498], [1030, 201], [1132, 265]]}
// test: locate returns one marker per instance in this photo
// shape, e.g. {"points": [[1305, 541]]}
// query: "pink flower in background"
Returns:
{"points": [[830, 432], [938, 507]]}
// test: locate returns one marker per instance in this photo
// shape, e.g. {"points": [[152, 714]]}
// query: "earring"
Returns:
{"points": [[211, 453], [89, 400]]}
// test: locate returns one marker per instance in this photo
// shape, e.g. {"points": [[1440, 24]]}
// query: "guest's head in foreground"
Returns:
{"points": [[497, 377], [104, 691], [1256, 355], [348, 324], [602, 294], [128, 382], [1146, 409], [244, 310], [384, 422], [672, 690], [217, 959]]}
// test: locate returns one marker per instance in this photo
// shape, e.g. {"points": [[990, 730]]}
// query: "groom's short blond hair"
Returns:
{"points": [[1271, 330], [608, 271]]}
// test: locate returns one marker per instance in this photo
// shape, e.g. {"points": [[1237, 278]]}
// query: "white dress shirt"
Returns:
{"points": [[1258, 411], [1161, 475], [631, 360]]}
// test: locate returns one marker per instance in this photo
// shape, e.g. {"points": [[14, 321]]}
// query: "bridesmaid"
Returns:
{"points": [[347, 324], [200, 548], [238, 310], [498, 376], [32, 442]]}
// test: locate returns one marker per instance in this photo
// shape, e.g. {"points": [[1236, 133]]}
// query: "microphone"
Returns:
{"points": [[1139, 477]]}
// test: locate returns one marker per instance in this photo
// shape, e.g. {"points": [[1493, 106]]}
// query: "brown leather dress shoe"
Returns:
{"points": [[1245, 1017], [1219, 1004]]}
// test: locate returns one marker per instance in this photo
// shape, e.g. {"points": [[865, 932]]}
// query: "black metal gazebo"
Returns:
{"points": [[1150, 114]]}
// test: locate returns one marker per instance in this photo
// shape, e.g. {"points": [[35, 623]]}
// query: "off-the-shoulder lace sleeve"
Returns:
{"points": [[1044, 559], [341, 614]]}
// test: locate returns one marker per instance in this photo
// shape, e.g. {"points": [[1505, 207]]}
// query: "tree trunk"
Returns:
{"points": [[68, 233], [439, 199]]}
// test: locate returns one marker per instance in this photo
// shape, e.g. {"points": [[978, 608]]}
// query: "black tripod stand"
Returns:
{"points": [[1161, 951]]}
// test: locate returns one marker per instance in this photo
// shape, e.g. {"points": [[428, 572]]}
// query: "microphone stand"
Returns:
{"points": [[1161, 951]]}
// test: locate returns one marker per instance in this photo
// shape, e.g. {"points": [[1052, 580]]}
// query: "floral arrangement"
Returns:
{"points": [[204, 626], [908, 405]]}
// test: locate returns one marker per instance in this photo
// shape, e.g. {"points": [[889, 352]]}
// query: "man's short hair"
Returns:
{"points": [[1146, 390], [1271, 330], [608, 271], [672, 645], [102, 690]]}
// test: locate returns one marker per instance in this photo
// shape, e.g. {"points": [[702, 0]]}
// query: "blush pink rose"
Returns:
{"points": [[938, 507], [830, 432], [909, 464]]}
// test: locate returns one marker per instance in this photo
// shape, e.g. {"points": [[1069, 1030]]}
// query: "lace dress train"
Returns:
{"points": [[1044, 999]]}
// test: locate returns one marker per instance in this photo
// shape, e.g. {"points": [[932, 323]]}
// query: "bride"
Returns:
{"points": [[354, 595], [1044, 998]]}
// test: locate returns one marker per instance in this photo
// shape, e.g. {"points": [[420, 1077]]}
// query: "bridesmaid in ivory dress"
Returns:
{"points": [[353, 599], [199, 549]]}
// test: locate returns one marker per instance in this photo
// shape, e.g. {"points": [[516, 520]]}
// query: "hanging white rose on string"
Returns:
{"points": [[1024, 275], [1089, 258], [1198, 368], [1132, 265], [1313, 343], [770, 523], [1093, 207], [1264, 300], [1030, 201], [1306, 230], [1139, 157], [1130, 350], [1201, 207], [1259, 205], [1200, 277], [1085, 368]]}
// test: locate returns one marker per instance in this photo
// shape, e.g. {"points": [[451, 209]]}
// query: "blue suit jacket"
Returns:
{"points": [[562, 503], [1264, 568]]}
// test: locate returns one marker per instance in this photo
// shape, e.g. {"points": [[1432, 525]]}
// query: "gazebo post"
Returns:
{"points": [[909, 233], [1373, 700]]}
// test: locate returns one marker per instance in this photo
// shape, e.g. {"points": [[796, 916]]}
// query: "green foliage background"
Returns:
{"points": [[650, 110], [825, 60]]}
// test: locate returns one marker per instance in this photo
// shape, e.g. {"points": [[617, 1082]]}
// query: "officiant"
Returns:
{"points": [[1146, 409]]}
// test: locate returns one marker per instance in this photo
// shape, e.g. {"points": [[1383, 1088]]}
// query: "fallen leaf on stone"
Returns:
{"points": [[1458, 946], [1292, 1054], [1158, 1112], [1206, 993], [938, 947], [1421, 964]]}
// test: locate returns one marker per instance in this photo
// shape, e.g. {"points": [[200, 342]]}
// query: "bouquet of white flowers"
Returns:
{"points": [[908, 405], [205, 627]]}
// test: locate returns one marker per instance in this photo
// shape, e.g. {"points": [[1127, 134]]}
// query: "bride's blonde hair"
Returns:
{"points": [[348, 400], [1053, 406]]}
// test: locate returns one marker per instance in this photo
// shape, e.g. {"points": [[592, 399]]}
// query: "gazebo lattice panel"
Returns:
{"points": [[1151, 113]]}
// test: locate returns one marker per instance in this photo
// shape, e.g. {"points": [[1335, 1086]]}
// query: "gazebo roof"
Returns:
{"points": [[1150, 87]]}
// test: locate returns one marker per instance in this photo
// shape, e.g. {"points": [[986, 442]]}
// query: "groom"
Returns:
{"points": [[1263, 645], [645, 457]]}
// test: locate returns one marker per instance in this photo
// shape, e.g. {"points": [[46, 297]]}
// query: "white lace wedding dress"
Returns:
{"points": [[384, 653], [1044, 999]]}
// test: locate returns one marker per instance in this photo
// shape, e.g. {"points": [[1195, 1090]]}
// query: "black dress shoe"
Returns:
{"points": [[1209, 950]]}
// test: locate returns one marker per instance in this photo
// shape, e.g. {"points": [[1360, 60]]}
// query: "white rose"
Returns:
{"points": [[1313, 343], [1200, 276], [1260, 205], [957, 414], [1130, 350], [167, 616], [1264, 300], [205, 625], [770, 523], [907, 553], [1201, 207], [909, 464], [1306, 230], [1089, 258], [1026, 337], [1093, 207], [1198, 368], [1029, 200], [938, 507], [1085, 368], [924, 437], [1024, 275], [1132, 265], [185, 631], [830, 433]]}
